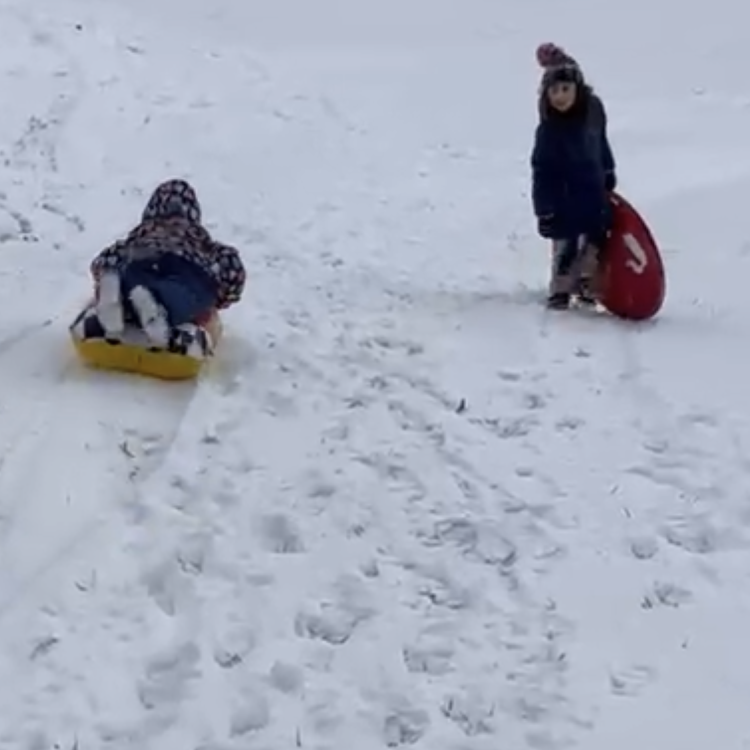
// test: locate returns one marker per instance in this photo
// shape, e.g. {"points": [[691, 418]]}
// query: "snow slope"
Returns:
{"points": [[406, 507]]}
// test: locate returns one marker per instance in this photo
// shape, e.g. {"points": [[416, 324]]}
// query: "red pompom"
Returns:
{"points": [[550, 54]]}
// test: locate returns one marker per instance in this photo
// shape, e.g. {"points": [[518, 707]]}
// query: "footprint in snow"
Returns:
{"points": [[370, 568], [251, 713], [395, 473], [471, 713], [286, 678], [325, 716], [510, 376], [226, 495], [335, 622], [534, 401], [405, 726], [410, 348], [299, 319], [320, 487], [700, 535], [280, 534], [194, 550], [442, 589], [632, 680], [666, 595], [278, 404], [482, 540], [167, 675], [517, 427], [233, 643], [643, 547], [430, 654], [166, 585], [569, 424]]}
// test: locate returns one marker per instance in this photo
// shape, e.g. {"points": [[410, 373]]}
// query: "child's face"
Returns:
{"points": [[562, 95]]}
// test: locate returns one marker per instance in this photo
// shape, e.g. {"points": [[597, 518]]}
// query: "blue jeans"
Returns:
{"points": [[574, 259], [569, 250], [182, 288]]}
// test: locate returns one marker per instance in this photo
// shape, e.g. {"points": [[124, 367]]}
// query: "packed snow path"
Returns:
{"points": [[406, 507]]}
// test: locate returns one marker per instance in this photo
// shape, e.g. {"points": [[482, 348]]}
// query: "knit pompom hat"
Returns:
{"points": [[558, 66], [550, 55]]}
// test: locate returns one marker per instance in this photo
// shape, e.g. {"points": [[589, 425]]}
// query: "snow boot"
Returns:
{"points": [[585, 293], [190, 340], [558, 301]]}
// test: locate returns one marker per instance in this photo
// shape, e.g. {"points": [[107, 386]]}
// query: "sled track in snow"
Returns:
{"points": [[35, 149], [13, 339], [68, 437], [69, 447]]}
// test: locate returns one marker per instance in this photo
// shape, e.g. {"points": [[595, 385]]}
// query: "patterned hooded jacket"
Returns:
{"points": [[171, 223]]}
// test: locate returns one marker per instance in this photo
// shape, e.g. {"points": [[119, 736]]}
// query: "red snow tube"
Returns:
{"points": [[632, 281]]}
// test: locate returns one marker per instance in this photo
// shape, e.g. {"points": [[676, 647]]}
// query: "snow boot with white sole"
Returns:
{"points": [[190, 340]]}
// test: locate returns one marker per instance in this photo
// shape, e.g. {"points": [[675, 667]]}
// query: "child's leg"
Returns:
{"points": [[109, 309], [168, 294], [564, 257], [589, 262], [140, 281], [589, 267], [106, 318], [188, 293], [184, 299]]}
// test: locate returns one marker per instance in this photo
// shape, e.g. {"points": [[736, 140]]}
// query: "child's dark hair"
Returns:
{"points": [[565, 73]]}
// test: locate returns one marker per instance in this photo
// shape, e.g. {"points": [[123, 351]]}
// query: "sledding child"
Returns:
{"points": [[165, 275], [573, 172]]}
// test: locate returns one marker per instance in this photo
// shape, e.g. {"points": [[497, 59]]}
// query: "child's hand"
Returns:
{"points": [[546, 225]]}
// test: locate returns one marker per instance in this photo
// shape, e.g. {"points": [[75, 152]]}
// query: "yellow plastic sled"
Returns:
{"points": [[133, 355]]}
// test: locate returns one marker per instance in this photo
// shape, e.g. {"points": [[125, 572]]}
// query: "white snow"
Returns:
{"points": [[405, 506]]}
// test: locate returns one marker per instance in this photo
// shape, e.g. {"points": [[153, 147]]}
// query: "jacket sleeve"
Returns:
{"points": [[109, 259], [608, 158], [230, 273], [545, 173]]}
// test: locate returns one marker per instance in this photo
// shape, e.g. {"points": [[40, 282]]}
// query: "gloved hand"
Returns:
{"points": [[610, 181], [546, 226]]}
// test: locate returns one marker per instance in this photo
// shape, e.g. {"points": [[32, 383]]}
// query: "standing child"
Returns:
{"points": [[167, 274], [573, 172]]}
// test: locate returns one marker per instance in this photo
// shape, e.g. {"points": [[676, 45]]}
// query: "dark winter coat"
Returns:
{"points": [[572, 164]]}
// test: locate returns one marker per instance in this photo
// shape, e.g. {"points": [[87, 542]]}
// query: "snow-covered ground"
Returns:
{"points": [[405, 507]]}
